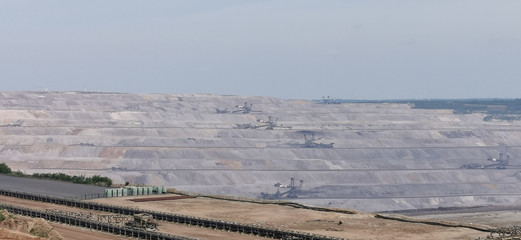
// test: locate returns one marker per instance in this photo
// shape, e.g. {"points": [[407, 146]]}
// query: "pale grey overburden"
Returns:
{"points": [[385, 156]]}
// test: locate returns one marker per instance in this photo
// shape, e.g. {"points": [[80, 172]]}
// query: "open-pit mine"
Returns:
{"points": [[364, 156]]}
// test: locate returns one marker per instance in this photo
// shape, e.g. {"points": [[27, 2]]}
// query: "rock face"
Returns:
{"points": [[384, 156]]}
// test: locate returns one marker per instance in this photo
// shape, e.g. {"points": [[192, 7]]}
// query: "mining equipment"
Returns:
{"points": [[222, 110], [243, 108], [245, 126], [310, 142], [290, 191], [14, 124], [143, 221], [269, 125], [246, 108], [499, 163], [329, 100], [272, 123]]}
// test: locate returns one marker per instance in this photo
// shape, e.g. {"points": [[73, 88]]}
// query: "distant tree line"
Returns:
{"points": [[496, 109], [471, 105], [494, 105], [505, 109], [94, 180]]}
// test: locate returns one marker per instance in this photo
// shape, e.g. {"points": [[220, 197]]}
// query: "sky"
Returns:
{"points": [[290, 49]]}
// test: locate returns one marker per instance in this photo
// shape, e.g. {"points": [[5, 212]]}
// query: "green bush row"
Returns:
{"points": [[94, 180]]}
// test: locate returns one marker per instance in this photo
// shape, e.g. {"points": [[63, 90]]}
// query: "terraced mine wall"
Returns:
{"points": [[384, 157]]}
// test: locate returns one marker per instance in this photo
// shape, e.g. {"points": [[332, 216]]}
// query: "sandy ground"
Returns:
{"points": [[14, 235], [353, 226], [341, 225], [491, 216], [73, 233], [65, 231], [69, 232]]}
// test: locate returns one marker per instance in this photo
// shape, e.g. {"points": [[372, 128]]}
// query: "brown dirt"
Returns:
{"points": [[499, 218], [76, 233], [16, 227], [69, 232], [14, 235], [353, 226]]}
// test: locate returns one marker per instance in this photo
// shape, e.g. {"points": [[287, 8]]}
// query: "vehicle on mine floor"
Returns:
{"points": [[143, 221], [292, 190], [499, 163], [310, 143], [270, 124]]}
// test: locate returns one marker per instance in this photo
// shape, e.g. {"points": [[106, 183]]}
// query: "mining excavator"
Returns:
{"points": [[290, 191], [246, 108], [272, 123], [143, 221], [268, 125], [310, 143], [242, 108], [18, 123], [329, 100], [499, 163]]}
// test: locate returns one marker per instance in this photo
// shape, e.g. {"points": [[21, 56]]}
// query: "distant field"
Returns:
{"points": [[47, 187]]}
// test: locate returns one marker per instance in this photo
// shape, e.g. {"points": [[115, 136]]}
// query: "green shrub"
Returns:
{"points": [[94, 180], [4, 169], [18, 174]]}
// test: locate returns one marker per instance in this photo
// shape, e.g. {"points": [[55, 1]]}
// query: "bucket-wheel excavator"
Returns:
{"points": [[289, 191]]}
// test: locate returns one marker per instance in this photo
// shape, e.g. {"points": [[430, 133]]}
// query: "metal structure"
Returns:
{"points": [[92, 224], [269, 125], [246, 108], [222, 110], [311, 142], [272, 123], [290, 191], [158, 216], [329, 100], [499, 163], [144, 221], [242, 108], [117, 219], [14, 124], [134, 191]]}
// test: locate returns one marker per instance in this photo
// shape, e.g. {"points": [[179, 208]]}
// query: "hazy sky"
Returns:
{"points": [[351, 49]]}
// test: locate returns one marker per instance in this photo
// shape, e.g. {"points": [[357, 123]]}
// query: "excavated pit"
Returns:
{"points": [[385, 156]]}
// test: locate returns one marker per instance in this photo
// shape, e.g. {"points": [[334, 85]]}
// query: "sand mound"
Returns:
{"points": [[13, 227]]}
